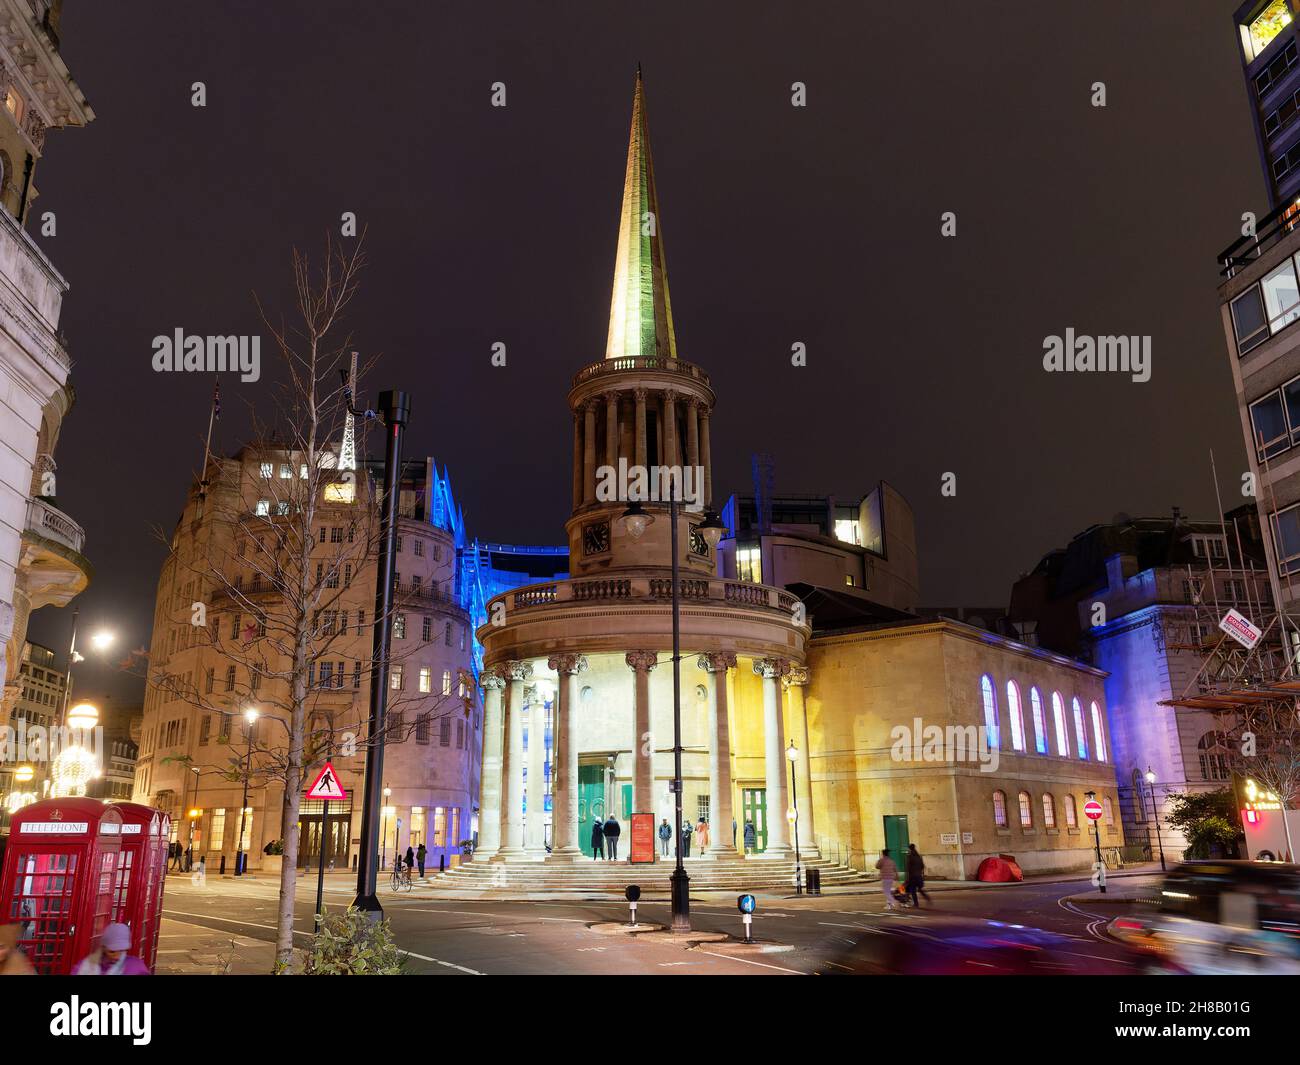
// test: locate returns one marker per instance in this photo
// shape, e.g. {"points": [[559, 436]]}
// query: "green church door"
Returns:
{"points": [[591, 802], [896, 840], [754, 807]]}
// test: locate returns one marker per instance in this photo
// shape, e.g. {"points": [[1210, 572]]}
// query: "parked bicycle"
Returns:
{"points": [[401, 878]]}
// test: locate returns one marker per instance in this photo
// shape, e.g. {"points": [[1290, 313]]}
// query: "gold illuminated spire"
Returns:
{"points": [[640, 313]]}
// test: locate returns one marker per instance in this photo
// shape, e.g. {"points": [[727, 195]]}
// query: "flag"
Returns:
{"points": [[216, 399]]}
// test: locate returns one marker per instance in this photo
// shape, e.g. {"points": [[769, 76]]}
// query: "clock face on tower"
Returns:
{"points": [[595, 538]]}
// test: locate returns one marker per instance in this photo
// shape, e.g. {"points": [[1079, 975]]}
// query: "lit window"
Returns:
{"points": [[848, 531], [1265, 26], [1017, 719], [263, 508], [1062, 733], [399, 626], [342, 492], [395, 678], [1049, 811], [848, 579], [999, 809], [446, 682], [266, 470], [1098, 735], [1281, 296], [1040, 727], [14, 104], [1080, 735], [1071, 812], [1026, 810], [749, 564], [302, 471], [426, 679], [286, 471], [990, 711]]}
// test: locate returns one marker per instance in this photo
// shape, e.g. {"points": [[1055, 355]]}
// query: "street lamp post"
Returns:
{"points": [[1096, 835], [635, 520], [250, 716], [792, 753], [193, 814], [1155, 812], [383, 828]]}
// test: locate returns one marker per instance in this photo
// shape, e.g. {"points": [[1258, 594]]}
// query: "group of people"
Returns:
{"points": [[604, 838], [913, 885], [416, 856], [112, 957], [181, 858]]}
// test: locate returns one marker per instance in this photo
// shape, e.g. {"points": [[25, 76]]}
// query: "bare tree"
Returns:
{"points": [[1260, 739]]}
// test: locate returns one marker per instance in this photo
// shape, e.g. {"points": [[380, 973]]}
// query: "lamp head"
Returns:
{"points": [[711, 528], [792, 752], [635, 520]]}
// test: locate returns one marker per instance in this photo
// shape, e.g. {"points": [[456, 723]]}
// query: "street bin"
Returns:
{"points": [[814, 880], [59, 878]]}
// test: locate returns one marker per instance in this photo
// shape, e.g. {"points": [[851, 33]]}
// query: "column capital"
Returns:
{"points": [[639, 394], [771, 668], [491, 680], [513, 671], [670, 395], [798, 675], [717, 661], [642, 661], [565, 664]]}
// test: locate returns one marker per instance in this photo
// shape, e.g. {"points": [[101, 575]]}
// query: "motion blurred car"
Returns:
{"points": [[957, 946], [1220, 917]]}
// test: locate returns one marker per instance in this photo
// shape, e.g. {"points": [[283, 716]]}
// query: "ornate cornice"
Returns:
{"points": [[641, 661], [717, 661], [516, 671], [771, 668], [567, 664]]}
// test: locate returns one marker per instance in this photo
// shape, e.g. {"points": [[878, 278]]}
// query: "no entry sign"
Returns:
{"points": [[1092, 809]]}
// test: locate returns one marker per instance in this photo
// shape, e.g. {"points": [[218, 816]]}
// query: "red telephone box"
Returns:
{"points": [[141, 874], [59, 874]]}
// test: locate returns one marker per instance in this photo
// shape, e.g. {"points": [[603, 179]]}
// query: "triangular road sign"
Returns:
{"points": [[327, 785]]}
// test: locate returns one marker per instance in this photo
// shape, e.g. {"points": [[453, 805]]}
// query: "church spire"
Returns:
{"points": [[640, 313]]}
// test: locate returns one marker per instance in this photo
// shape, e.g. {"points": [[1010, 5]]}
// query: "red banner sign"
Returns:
{"points": [[643, 838]]}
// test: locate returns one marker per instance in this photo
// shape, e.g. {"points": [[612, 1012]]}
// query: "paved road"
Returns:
{"points": [[459, 937]]}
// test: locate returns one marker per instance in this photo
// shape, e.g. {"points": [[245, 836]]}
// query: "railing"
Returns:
{"points": [[658, 590], [1268, 231], [53, 524], [640, 362]]}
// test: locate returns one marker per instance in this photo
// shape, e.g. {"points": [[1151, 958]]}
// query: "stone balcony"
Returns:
{"points": [[575, 615], [640, 363], [52, 568]]}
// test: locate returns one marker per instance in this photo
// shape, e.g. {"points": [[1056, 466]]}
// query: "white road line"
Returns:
{"points": [[747, 961], [448, 964], [859, 927]]}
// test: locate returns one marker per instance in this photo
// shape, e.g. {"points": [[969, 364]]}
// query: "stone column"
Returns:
{"points": [[611, 429], [565, 845], [489, 814], [589, 453], [669, 442], [706, 457], [720, 810], [778, 830], [534, 820], [693, 432], [796, 684], [626, 432], [577, 460], [641, 663], [512, 819], [639, 396]]}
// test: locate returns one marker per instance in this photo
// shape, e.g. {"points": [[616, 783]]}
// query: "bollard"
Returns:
{"points": [[442, 862], [814, 881], [222, 870], [632, 893], [747, 904]]}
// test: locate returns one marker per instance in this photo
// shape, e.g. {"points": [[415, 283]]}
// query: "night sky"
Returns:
{"points": [[780, 224]]}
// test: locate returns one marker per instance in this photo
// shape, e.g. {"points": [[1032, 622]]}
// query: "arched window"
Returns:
{"points": [[1062, 733], [1000, 809], [1026, 810], [1214, 760], [1049, 811], [1071, 812], [1040, 726], [1107, 811], [1080, 735], [1098, 733], [1016, 717], [990, 711]]}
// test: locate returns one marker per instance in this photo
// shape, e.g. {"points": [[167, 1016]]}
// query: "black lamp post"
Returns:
{"points": [[250, 716], [1155, 812], [792, 753], [395, 409], [635, 520]]}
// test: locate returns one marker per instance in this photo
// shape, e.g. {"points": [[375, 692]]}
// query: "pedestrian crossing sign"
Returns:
{"points": [[327, 785]]}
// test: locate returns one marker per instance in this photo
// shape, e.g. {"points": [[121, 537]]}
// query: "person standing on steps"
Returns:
{"points": [[612, 831], [665, 834], [701, 837], [421, 853], [687, 832], [597, 840], [888, 875], [751, 838], [915, 867]]}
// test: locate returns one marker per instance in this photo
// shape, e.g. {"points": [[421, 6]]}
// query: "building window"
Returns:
{"points": [[1259, 33], [1213, 757], [230, 678], [1080, 733], [422, 728], [266, 471], [263, 508], [446, 634], [460, 733], [1107, 810], [399, 626], [417, 546], [217, 830], [444, 732], [1098, 735], [286, 471], [426, 632], [1049, 811], [1071, 812], [395, 678], [439, 826], [426, 679], [1281, 296], [749, 564], [1016, 717], [446, 682], [1248, 320], [1040, 726], [1062, 733], [1286, 538], [1000, 809], [990, 711], [848, 531], [1026, 810]]}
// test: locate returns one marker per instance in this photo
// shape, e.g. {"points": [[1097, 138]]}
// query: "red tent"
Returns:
{"points": [[1000, 870]]}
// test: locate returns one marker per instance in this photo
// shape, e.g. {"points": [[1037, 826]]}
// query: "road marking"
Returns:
{"points": [[859, 927], [571, 920], [760, 964], [839, 966], [439, 961]]}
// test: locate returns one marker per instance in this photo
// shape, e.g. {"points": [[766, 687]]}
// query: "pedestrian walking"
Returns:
{"points": [[914, 865], [597, 840], [687, 833], [701, 837], [174, 853], [733, 833], [13, 962], [611, 831], [888, 876], [112, 959], [409, 859], [751, 838], [665, 836], [421, 856], [200, 875]]}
